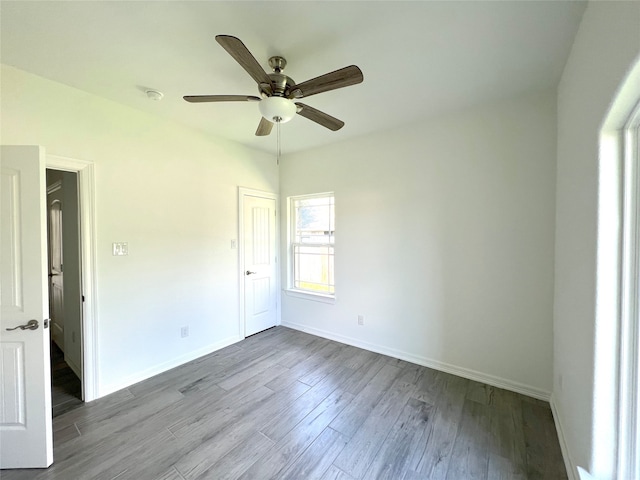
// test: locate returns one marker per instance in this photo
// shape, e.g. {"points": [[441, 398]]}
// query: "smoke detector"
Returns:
{"points": [[154, 95]]}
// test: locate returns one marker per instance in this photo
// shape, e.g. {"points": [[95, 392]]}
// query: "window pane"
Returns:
{"points": [[314, 220], [313, 268]]}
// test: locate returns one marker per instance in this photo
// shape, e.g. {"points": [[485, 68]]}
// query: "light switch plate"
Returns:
{"points": [[120, 248]]}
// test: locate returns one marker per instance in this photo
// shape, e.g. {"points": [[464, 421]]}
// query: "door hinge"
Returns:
{"points": [[83, 298]]}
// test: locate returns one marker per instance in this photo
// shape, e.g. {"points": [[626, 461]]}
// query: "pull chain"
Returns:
{"points": [[278, 144]]}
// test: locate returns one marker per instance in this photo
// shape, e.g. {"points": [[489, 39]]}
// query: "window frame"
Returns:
{"points": [[291, 289], [629, 388]]}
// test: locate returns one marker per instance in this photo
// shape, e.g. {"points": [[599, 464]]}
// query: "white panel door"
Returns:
{"points": [[56, 275], [26, 438], [260, 269]]}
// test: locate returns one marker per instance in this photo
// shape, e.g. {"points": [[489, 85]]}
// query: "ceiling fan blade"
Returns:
{"points": [[220, 98], [340, 78], [264, 127], [243, 56], [319, 117]]}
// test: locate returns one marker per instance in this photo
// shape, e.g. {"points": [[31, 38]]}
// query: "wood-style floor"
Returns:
{"points": [[287, 405]]}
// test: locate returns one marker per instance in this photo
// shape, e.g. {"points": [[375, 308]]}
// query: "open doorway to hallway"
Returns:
{"points": [[65, 291]]}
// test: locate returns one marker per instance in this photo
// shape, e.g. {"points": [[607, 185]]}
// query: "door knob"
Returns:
{"points": [[30, 325], [249, 272]]}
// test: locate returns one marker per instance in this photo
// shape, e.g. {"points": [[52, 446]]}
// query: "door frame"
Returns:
{"points": [[87, 224], [244, 192]]}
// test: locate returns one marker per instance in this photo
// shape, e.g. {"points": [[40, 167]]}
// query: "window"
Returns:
{"points": [[629, 444], [311, 248]]}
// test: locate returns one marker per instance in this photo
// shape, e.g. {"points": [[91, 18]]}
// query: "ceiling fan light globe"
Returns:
{"points": [[273, 108]]}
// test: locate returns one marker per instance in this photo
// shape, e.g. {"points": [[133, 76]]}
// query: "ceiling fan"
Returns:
{"points": [[278, 92]]}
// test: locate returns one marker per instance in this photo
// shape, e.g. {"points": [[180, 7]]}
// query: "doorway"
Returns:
{"points": [[258, 239], [85, 182], [65, 290]]}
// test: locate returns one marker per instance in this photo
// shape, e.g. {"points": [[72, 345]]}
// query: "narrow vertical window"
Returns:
{"points": [[629, 435], [312, 237]]}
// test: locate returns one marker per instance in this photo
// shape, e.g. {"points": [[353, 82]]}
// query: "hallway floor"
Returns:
{"points": [[66, 389]]}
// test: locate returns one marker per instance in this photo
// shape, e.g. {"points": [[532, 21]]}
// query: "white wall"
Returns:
{"points": [[444, 241], [171, 193], [606, 47]]}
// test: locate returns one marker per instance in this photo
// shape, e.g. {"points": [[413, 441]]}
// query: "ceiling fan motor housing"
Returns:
{"points": [[280, 86]]}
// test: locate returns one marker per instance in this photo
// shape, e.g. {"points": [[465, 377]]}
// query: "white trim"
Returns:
{"points": [[629, 395], [163, 367], [86, 193], [570, 466], [76, 369], [584, 475], [248, 192], [305, 295], [468, 373]]}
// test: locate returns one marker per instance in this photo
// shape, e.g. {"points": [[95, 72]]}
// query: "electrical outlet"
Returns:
{"points": [[360, 319], [184, 332]]}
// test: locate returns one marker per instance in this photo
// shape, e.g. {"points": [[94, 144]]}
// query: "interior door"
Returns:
{"points": [[56, 276], [260, 268], [25, 384]]}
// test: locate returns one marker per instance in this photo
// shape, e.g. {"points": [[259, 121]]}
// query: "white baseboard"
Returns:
{"points": [[572, 471], [427, 362], [163, 367], [72, 365]]}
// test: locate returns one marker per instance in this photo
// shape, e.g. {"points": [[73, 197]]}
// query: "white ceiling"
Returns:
{"points": [[420, 59]]}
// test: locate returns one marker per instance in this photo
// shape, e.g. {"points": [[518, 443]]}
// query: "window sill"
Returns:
{"points": [[316, 297]]}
